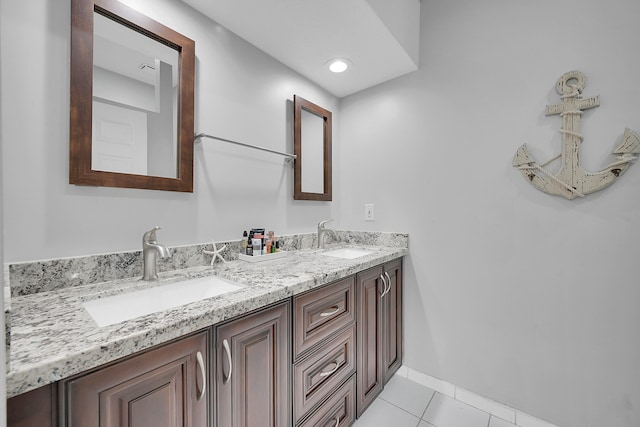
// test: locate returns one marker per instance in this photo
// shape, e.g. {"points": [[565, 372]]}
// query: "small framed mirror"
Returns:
{"points": [[132, 100], [312, 147]]}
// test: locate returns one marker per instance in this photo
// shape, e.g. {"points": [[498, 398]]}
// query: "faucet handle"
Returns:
{"points": [[150, 236], [322, 223]]}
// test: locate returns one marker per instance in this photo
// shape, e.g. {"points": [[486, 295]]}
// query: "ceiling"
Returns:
{"points": [[378, 37]]}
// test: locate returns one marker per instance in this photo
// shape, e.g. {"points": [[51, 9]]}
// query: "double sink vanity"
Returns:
{"points": [[308, 339]]}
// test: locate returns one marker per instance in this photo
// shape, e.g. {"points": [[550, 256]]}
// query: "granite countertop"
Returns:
{"points": [[54, 337]]}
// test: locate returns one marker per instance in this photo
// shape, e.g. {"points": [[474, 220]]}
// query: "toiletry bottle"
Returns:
{"points": [[243, 243], [249, 245], [272, 242], [257, 246]]}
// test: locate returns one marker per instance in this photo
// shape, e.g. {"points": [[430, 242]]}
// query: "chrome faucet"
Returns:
{"points": [[321, 232], [151, 249]]}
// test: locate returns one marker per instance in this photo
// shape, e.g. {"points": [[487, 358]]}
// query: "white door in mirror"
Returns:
{"points": [[119, 139]]}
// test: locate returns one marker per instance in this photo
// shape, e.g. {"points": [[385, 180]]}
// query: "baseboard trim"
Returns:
{"points": [[497, 409]]}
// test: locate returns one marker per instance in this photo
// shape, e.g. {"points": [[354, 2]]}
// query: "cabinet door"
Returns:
{"points": [[369, 337], [36, 408], [252, 372], [164, 387], [392, 323]]}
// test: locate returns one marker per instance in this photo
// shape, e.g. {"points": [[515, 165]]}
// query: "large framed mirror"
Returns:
{"points": [[312, 147], [131, 101]]}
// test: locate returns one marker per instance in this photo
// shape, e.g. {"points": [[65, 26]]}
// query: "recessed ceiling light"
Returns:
{"points": [[338, 65]]}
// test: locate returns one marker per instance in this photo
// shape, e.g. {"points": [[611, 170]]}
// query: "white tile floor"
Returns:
{"points": [[405, 403]]}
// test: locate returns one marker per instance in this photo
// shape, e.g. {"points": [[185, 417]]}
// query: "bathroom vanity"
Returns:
{"points": [[310, 340]]}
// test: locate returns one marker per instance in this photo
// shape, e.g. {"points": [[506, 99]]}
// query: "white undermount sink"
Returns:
{"points": [[118, 308], [347, 253]]}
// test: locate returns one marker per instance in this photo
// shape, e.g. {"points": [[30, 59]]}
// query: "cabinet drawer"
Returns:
{"points": [[321, 312], [338, 411], [319, 374]]}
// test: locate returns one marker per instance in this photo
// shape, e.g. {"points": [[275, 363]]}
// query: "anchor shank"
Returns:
{"points": [[570, 111], [571, 144]]}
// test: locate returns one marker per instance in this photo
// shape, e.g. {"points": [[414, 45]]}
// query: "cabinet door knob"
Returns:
{"points": [[200, 363], [334, 310], [227, 350], [327, 373]]}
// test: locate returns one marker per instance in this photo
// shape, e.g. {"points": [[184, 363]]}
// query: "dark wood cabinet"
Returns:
{"points": [[325, 355], [392, 319], [36, 408], [369, 338], [320, 369], [379, 329], [163, 387], [252, 370], [338, 411], [322, 372], [321, 312]]}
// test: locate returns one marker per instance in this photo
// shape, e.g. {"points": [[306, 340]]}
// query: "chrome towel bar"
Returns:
{"points": [[288, 157]]}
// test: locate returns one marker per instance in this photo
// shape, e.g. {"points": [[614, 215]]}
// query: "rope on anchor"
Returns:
{"points": [[553, 177], [564, 113], [576, 92], [572, 133], [552, 160], [622, 161]]}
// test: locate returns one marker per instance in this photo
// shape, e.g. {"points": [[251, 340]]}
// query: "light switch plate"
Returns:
{"points": [[369, 213]]}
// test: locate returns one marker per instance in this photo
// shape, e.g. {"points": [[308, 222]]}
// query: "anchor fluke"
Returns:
{"points": [[522, 157], [630, 143]]}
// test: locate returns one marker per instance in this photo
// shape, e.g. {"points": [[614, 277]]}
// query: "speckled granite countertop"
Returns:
{"points": [[53, 336]]}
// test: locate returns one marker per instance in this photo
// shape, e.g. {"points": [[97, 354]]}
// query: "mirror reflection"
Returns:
{"points": [[312, 146], [131, 100], [135, 98], [312, 153]]}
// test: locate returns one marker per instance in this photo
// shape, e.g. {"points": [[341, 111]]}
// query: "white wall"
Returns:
{"points": [[241, 94], [523, 297]]}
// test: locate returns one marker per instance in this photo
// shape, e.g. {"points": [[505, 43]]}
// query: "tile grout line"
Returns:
{"points": [[451, 390], [427, 407], [402, 409]]}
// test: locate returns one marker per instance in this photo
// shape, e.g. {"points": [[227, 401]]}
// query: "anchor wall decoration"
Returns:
{"points": [[572, 180]]}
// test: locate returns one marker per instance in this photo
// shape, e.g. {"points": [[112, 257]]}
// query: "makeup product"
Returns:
{"points": [[257, 246], [243, 243]]}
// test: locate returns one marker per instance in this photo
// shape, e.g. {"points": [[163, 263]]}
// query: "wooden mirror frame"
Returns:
{"points": [[80, 132], [300, 104]]}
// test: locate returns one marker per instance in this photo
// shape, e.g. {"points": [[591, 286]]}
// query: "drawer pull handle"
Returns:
{"points": [[389, 279], [384, 291], [200, 363], [327, 373], [227, 350], [337, 421], [330, 313]]}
